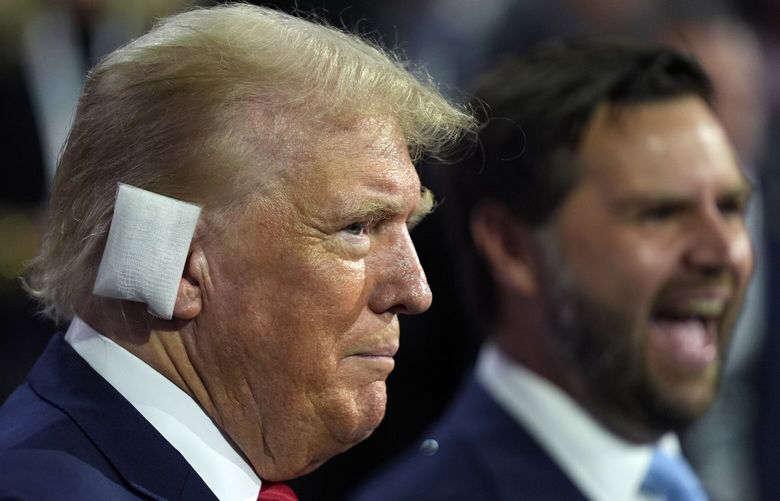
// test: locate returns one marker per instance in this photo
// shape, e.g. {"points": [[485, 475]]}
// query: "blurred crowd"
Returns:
{"points": [[48, 46]]}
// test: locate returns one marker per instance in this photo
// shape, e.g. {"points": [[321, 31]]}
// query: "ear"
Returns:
{"points": [[189, 298], [507, 246]]}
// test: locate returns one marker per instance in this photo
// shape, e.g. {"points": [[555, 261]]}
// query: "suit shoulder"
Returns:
{"points": [[27, 421], [422, 474], [481, 454], [31, 427], [43, 474]]}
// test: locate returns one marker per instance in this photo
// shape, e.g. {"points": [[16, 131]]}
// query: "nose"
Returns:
{"points": [[401, 286], [719, 243]]}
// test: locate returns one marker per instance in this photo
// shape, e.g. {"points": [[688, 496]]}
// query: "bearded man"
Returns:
{"points": [[605, 210]]}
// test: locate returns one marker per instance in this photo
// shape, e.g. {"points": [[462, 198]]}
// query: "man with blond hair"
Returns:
{"points": [[229, 235]]}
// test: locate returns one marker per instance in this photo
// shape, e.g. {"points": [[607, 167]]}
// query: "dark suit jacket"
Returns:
{"points": [[767, 438], [482, 455], [67, 434]]}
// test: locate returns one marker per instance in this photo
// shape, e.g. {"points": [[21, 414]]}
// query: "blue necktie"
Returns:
{"points": [[673, 479]]}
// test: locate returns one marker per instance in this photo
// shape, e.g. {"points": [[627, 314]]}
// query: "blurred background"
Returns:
{"points": [[47, 46]]}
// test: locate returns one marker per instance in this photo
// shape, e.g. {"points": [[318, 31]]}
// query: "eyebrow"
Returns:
{"points": [[424, 207], [378, 210], [741, 192]]}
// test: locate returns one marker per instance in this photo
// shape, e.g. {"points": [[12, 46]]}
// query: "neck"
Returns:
{"points": [[157, 342], [527, 341]]}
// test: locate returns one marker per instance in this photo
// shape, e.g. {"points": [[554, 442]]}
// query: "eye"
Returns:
{"points": [[356, 229], [658, 213], [732, 207]]}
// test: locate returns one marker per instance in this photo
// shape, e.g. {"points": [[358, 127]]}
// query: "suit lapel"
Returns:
{"points": [[131, 444]]}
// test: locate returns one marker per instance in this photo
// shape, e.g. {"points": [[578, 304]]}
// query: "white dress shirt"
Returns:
{"points": [[171, 411], [602, 465]]}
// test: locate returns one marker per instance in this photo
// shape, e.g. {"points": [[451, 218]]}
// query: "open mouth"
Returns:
{"points": [[686, 336]]}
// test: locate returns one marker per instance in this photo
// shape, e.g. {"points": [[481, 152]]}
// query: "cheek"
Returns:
{"points": [[303, 284], [620, 271], [289, 301], [328, 293], [315, 307], [743, 255]]}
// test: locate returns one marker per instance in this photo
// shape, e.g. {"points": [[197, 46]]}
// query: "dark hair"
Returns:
{"points": [[536, 109]]}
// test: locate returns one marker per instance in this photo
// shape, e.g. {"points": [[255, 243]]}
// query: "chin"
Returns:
{"points": [[371, 406], [698, 400], [361, 416], [673, 408], [346, 424]]}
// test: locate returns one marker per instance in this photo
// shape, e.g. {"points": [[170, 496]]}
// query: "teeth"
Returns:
{"points": [[702, 309], [706, 308]]}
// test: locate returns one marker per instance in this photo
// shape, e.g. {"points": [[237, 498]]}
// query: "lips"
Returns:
{"points": [[380, 351], [684, 331], [371, 363], [371, 351], [382, 342]]}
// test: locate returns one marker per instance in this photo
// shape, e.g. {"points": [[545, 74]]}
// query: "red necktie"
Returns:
{"points": [[276, 491]]}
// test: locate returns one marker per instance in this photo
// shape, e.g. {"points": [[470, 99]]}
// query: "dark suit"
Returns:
{"points": [[68, 434], [767, 436], [482, 455]]}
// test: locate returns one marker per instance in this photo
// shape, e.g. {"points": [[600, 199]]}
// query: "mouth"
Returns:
{"points": [[376, 360], [386, 351], [685, 333]]}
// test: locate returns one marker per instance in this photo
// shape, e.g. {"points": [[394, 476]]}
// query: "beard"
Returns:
{"points": [[606, 347], [603, 347]]}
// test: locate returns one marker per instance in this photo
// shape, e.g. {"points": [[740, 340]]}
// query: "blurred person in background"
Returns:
{"points": [[228, 235], [735, 445], [605, 210], [455, 47], [460, 39]]}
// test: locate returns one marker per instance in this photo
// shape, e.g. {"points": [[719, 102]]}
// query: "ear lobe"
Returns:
{"points": [[506, 244], [189, 298]]}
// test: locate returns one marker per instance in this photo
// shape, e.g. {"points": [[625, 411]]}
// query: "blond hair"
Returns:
{"points": [[172, 112]]}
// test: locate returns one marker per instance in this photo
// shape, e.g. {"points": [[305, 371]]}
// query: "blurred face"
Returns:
{"points": [[648, 259], [301, 325]]}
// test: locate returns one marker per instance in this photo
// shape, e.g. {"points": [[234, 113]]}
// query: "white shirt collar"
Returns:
{"points": [[171, 411], [603, 466]]}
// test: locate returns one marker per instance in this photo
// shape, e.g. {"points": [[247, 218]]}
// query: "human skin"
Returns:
{"points": [[301, 297], [651, 255], [286, 319]]}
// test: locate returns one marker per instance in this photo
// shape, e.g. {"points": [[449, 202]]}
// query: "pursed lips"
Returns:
{"points": [[374, 361], [384, 350], [380, 343]]}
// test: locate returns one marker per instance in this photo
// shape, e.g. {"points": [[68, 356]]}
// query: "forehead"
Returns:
{"points": [[369, 155], [374, 139], [677, 144]]}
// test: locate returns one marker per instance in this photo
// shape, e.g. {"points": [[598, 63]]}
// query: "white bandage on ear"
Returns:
{"points": [[146, 250]]}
